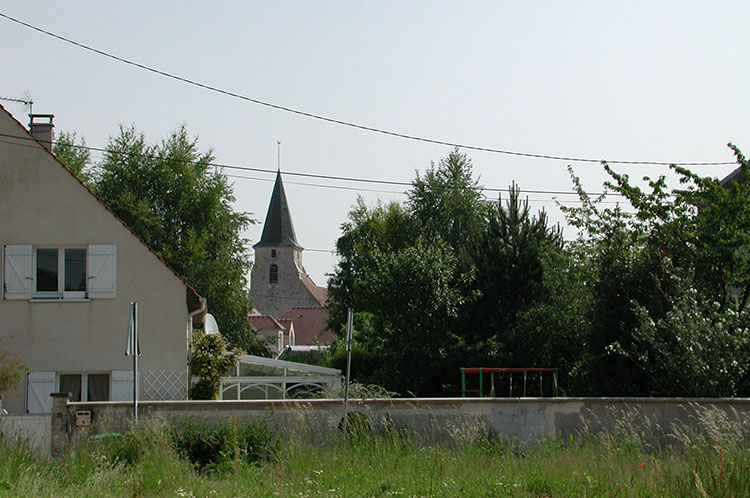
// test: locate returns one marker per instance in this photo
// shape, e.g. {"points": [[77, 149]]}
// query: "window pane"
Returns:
{"points": [[71, 383], [46, 270], [75, 270], [98, 387]]}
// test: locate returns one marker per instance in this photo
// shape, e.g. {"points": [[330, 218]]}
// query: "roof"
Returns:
{"points": [[278, 229], [309, 325], [193, 299], [736, 175], [264, 322], [320, 294]]}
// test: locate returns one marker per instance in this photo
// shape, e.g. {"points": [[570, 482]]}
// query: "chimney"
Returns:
{"points": [[41, 126]]}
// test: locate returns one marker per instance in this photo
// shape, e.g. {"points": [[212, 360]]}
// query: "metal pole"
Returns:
{"points": [[135, 363], [349, 327]]}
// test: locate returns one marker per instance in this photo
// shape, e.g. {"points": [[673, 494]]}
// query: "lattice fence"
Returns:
{"points": [[164, 385]]}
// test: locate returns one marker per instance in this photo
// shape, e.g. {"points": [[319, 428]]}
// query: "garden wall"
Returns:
{"points": [[35, 429], [433, 419]]}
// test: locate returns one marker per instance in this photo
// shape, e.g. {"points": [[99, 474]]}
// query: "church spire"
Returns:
{"points": [[278, 229]]}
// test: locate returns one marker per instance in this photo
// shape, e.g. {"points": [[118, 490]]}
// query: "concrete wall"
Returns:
{"points": [[276, 299], [36, 430], [42, 203], [524, 419]]}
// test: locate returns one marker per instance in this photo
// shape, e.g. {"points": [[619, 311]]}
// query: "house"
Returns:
{"points": [[280, 286], [70, 269], [277, 334]]}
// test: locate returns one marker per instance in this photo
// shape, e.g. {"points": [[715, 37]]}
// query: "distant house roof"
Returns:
{"points": [[309, 325], [278, 229], [736, 175], [320, 294], [264, 322]]}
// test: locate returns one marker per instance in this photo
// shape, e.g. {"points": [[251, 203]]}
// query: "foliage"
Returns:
{"points": [[169, 194], [209, 361], [441, 279], [510, 276], [674, 267], [219, 446], [711, 340], [76, 156], [10, 371]]}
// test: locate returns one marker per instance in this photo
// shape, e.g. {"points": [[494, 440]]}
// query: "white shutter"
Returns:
{"points": [[102, 271], [18, 273], [41, 385], [122, 385]]}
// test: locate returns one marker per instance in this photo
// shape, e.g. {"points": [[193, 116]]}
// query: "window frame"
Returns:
{"points": [[60, 293], [84, 376]]}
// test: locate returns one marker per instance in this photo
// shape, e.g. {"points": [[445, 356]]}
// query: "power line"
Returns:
{"points": [[294, 173], [346, 123]]}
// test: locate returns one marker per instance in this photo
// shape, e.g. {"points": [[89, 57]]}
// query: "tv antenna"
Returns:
{"points": [[26, 100]]}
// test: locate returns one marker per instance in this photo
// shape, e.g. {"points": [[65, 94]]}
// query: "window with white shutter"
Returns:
{"points": [[40, 386], [102, 271], [51, 273], [18, 276]]}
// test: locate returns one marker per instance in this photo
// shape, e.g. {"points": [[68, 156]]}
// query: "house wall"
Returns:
{"points": [[275, 299], [43, 204]]}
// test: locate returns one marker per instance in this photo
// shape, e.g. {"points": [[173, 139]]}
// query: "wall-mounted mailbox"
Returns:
{"points": [[83, 418]]}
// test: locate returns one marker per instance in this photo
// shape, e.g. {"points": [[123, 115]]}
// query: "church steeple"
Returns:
{"points": [[278, 230]]}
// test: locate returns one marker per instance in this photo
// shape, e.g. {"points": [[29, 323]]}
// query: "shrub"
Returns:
{"points": [[218, 445], [209, 361]]}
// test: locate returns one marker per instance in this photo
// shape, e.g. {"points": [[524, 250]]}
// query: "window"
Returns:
{"points": [[273, 274], [273, 253], [47, 272], [60, 273], [86, 387]]}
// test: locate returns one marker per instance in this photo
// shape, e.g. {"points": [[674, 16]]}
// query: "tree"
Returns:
{"points": [[76, 157], [169, 194], [665, 277], [209, 361], [509, 272], [416, 269]]}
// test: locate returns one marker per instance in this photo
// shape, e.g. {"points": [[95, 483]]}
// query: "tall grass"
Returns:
{"points": [[707, 457]]}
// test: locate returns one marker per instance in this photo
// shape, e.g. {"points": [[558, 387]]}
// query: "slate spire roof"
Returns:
{"points": [[278, 229]]}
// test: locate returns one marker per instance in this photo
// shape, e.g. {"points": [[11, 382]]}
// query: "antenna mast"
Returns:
{"points": [[26, 101]]}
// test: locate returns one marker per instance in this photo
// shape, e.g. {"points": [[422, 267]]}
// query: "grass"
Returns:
{"points": [[250, 458]]}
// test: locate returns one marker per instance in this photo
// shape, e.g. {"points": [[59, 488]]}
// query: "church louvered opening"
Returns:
{"points": [[273, 274]]}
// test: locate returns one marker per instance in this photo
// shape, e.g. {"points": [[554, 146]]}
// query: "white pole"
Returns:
{"points": [[135, 362], [349, 326]]}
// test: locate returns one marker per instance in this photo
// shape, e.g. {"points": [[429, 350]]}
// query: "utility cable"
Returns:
{"points": [[292, 173], [346, 123]]}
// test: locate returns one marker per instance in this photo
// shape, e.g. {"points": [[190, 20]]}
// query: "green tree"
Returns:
{"points": [[75, 156], [416, 269], [509, 275], [171, 196], [678, 250], [209, 362]]}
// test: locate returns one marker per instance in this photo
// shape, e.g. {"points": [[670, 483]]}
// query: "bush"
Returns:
{"points": [[222, 445]]}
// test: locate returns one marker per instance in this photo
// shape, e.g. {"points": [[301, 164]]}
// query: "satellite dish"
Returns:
{"points": [[209, 325]]}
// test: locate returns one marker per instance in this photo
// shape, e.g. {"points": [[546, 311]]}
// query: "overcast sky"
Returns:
{"points": [[634, 81]]}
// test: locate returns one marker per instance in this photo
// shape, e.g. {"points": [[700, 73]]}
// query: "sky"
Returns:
{"points": [[621, 81]]}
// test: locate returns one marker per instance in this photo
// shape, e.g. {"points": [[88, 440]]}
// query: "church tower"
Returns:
{"points": [[278, 280]]}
